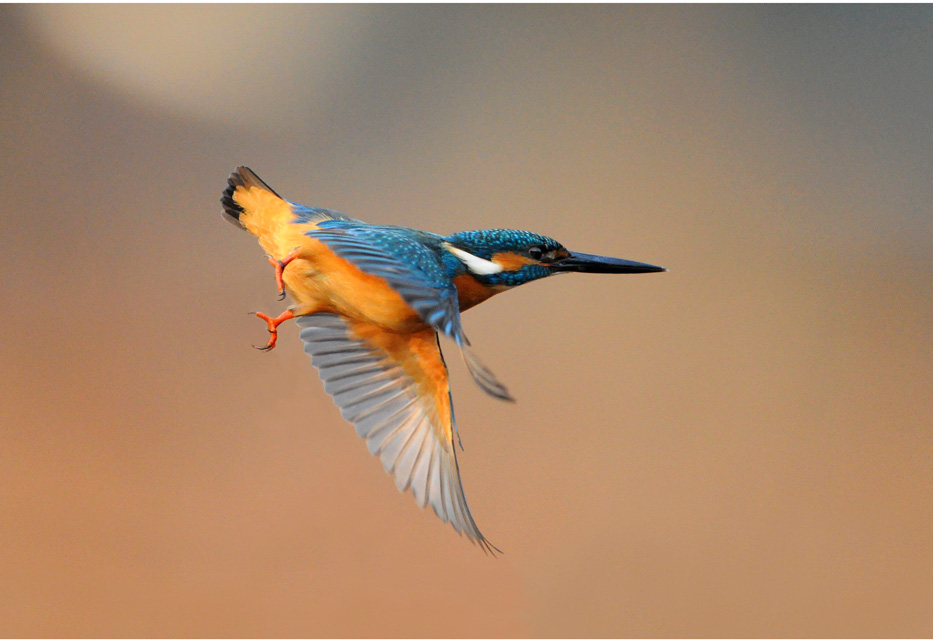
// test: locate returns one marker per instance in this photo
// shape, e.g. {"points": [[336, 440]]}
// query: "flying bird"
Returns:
{"points": [[371, 300]]}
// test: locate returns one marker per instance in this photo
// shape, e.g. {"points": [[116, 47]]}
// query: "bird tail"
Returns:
{"points": [[248, 198], [251, 204]]}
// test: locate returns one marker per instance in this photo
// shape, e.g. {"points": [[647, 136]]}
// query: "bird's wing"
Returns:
{"points": [[304, 214], [394, 390], [420, 280]]}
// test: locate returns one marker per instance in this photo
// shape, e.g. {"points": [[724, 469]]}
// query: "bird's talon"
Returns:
{"points": [[272, 324], [280, 268]]}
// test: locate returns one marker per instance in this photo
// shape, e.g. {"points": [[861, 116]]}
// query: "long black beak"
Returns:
{"points": [[581, 262]]}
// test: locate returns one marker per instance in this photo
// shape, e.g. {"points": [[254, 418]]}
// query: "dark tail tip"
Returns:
{"points": [[241, 177], [232, 209]]}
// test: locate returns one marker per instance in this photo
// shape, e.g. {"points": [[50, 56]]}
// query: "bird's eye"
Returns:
{"points": [[535, 253]]}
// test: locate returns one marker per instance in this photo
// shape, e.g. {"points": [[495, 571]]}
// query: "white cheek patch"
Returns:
{"points": [[476, 265]]}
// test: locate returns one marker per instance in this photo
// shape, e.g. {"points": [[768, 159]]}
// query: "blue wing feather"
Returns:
{"points": [[304, 214], [410, 267]]}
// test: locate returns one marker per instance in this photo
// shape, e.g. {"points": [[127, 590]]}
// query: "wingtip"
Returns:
{"points": [[484, 377], [488, 548], [478, 539]]}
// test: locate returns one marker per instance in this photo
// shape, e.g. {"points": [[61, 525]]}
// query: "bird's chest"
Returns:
{"points": [[471, 292]]}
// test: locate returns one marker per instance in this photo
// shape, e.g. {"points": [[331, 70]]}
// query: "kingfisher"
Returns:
{"points": [[371, 302]]}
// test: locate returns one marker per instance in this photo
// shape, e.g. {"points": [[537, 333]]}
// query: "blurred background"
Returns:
{"points": [[738, 448]]}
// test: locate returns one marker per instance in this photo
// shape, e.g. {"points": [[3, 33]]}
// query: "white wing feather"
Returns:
{"points": [[400, 426]]}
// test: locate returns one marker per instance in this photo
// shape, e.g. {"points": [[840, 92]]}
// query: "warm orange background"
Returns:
{"points": [[740, 447]]}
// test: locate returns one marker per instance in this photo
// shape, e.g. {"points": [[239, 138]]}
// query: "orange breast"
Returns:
{"points": [[471, 292]]}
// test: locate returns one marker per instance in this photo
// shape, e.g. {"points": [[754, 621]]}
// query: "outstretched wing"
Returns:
{"points": [[394, 390], [420, 279]]}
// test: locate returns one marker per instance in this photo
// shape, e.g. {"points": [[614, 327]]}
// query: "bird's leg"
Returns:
{"points": [[273, 324], [279, 266]]}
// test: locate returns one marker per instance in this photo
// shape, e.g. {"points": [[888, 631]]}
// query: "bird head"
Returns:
{"points": [[514, 257]]}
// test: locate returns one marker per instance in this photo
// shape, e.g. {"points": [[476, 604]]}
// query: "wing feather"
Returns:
{"points": [[435, 490], [420, 472], [394, 389]]}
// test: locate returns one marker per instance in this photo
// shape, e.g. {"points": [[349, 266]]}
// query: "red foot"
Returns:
{"points": [[273, 324], [279, 267]]}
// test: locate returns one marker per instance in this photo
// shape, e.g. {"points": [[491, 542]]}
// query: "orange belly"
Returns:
{"points": [[320, 281]]}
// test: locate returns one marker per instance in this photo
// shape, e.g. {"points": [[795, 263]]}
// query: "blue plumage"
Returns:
{"points": [[304, 214], [410, 267], [486, 243]]}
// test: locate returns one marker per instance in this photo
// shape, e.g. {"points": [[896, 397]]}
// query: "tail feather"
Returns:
{"points": [[245, 193], [250, 203]]}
